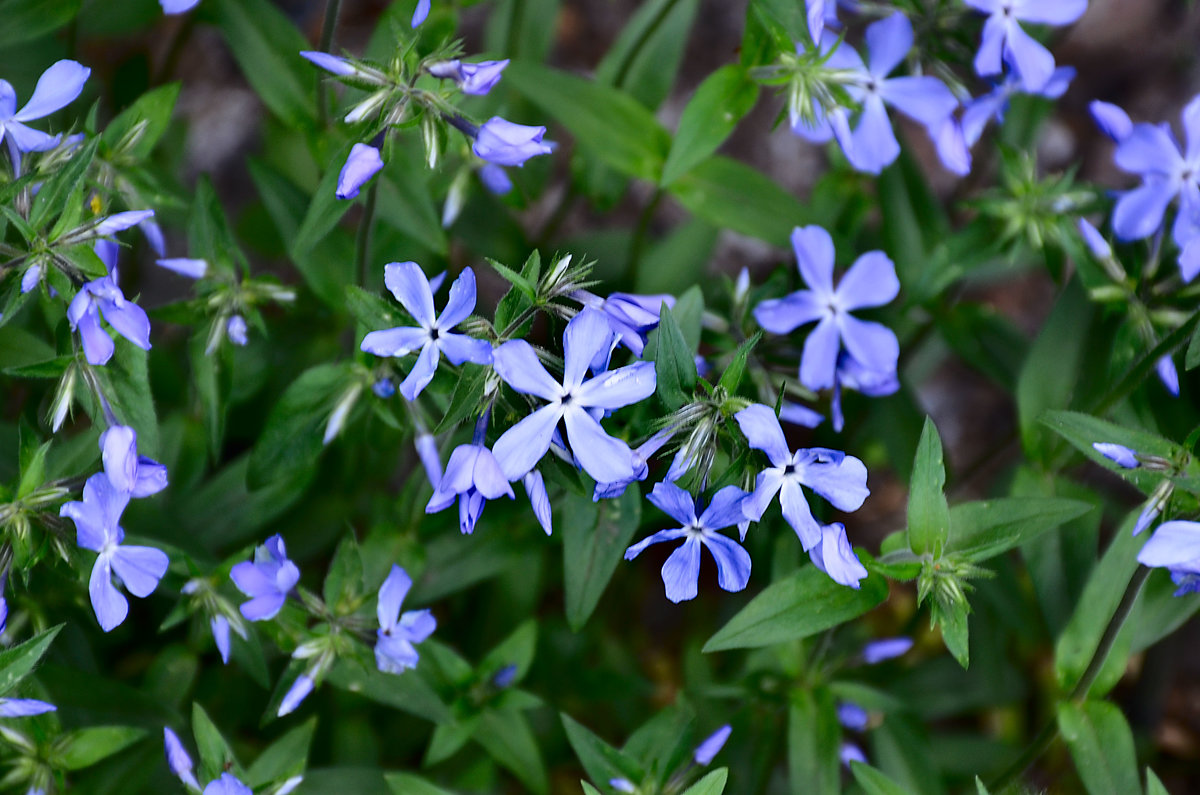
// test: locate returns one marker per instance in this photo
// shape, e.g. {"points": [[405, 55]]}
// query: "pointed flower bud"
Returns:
{"points": [[363, 163]]}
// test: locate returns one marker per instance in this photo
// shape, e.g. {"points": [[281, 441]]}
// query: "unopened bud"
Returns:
{"points": [[340, 411]]}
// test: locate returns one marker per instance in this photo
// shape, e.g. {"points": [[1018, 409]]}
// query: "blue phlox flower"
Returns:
{"points": [[398, 634], [605, 458], [641, 467], [834, 556], [800, 415], [852, 716], [235, 330], [839, 478], [178, 760], [103, 298], [427, 451], [851, 753], [363, 162], [178, 6], [631, 317], [227, 784], [432, 335], [495, 179], [924, 99], [681, 572], [267, 579], [473, 78], [712, 745], [819, 14], [504, 143], [1095, 241], [127, 471], [420, 12], [885, 649], [1119, 454], [991, 106], [472, 477], [539, 500], [23, 707], [851, 374], [57, 87], [1152, 152], [835, 123], [871, 281], [191, 268], [1112, 120], [1164, 368], [1175, 546], [1004, 40], [96, 524]]}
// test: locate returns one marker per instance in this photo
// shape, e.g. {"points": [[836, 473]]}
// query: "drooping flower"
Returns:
{"points": [[603, 457], [57, 87], [1004, 40], [712, 745], [472, 477], [227, 784], [851, 374], [432, 336], [397, 634], [363, 163], [834, 556], [178, 760], [641, 456], [871, 281], [267, 580], [885, 649], [504, 143], [1175, 546], [839, 478], [103, 298], [631, 317], [681, 572], [472, 78], [96, 524], [127, 471]]}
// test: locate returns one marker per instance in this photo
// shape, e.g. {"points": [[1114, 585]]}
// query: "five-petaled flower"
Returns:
{"points": [[681, 572], [96, 525], [397, 634], [1004, 40], [267, 580], [103, 298], [432, 336]]}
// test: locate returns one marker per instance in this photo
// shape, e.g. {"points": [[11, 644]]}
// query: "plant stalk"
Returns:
{"points": [[362, 242], [327, 28]]}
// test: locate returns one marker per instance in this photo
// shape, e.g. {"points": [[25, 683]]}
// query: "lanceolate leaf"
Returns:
{"points": [[928, 514], [595, 537]]}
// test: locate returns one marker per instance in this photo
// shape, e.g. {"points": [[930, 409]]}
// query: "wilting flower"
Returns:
{"points": [[837, 477], [363, 163], [834, 556], [472, 78], [178, 759], [96, 525], [103, 298], [681, 572], [1175, 546], [603, 457], [432, 336], [1005, 40], [397, 634], [58, 86], [871, 281], [267, 580], [127, 471], [507, 144]]}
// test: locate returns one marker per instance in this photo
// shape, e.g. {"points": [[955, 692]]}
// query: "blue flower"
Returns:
{"points": [[1175, 546], [1164, 368], [1117, 453], [191, 268], [681, 572], [127, 471], [103, 298], [837, 477], [267, 580], [851, 753], [235, 330], [852, 716], [432, 336], [23, 707], [363, 163], [631, 317], [871, 281], [472, 477], [606, 459], [507, 144], [300, 690], [641, 468], [1093, 239], [984, 108], [473, 78], [834, 556], [58, 86], [420, 12], [851, 374], [96, 525], [1005, 40], [885, 649], [177, 6], [1112, 120], [227, 784], [397, 634], [712, 745], [178, 759]]}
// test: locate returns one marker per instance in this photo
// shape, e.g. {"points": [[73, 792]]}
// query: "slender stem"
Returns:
{"points": [[327, 28], [362, 242], [514, 28], [639, 240], [1080, 692], [647, 32]]}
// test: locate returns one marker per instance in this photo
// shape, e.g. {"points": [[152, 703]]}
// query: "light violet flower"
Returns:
{"points": [[681, 572], [103, 298], [851, 753], [839, 478], [432, 336], [363, 163], [1119, 454], [177, 6], [871, 281], [300, 690], [834, 556], [398, 634], [605, 458], [23, 707], [1005, 40], [1112, 120], [507, 144], [57, 87], [472, 477], [885, 649], [267, 580], [191, 268], [852, 716], [420, 12], [712, 745], [127, 471], [631, 317], [96, 524], [235, 330]]}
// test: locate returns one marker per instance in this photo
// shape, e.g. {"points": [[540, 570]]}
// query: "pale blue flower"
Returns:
{"points": [[834, 556], [267, 580], [178, 759], [398, 634], [1175, 546], [504, 143], [712, 745], [57, 87], [1005, 40], [363, 163]]}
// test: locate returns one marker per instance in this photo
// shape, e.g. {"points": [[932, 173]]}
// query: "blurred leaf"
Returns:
{"points": [[1153, 785], [712, 784], [732, 377], [467, 398], [813, 741], [797, 606], [26, 20], [85, 747], [216, 756], [17, 662], [913, 219], [875, 782], [601, 761], [407, 691], [284, 758], [595, 536], [405, 202], [952, 619], [57, 191], [145, 120], [516, 650], [1081, 430], [325, 211], [644, 59], [344, 589], [674, 363], [732, 195], [986, 528], [1101, 745], [506, 736], [408, 784], [928, 513], [720, 102]]}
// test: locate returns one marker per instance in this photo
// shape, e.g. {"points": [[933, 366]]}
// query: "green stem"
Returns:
{"points": [[362, 242], [631, 56], [639, 240], [1079, 693], [514, 28], [327, 28]]}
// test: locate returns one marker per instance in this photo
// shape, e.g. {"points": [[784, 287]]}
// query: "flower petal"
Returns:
{"points": [[58, 86], [587, 334], [681, 572], [110, 606], [408, 283], [422, 371], [140, 568], [674, 502], [814, 251], [1173, 543], [461, 301], [871, 281], [888, 41], [1148, 149], [766, 486], [361, 164], [798, 514], [782, 315], [873, 345], [520, 447], [654, 538], [417, 625], [1032, 61], [733, 561], [1112, 120], [762, 430], [394, 341], [1139, 212], [391, 596], [603, 457], [924, 99], [844, 484], [617, 388], [518, 365], [819, 359], [873, 146]]}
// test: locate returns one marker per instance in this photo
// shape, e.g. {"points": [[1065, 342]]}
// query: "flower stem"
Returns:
{"points": [[362, 243], [327, 28]]}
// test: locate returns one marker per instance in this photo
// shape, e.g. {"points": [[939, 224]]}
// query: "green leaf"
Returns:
{"points": [[732, 377], [601, 761], [1081, 430], [215, 754], [324, 212], [1101, 745], [344, 589], [913, 219], [588, 789], [408, 784], [26, 20], [712, 784], [405, 202], [467, 398], [58, 191], [797, 606], [144, 122], [952, 619], [812, 742], [986, 528], [611, 125], [928, 513], [732, 195], [506, 736], [85, 747], [284, 758], [1153, 785], [517, 650], [720, 102], [408, 691], [1193, 352], [595, 537], [267, 47], [645, 58], [674, 363], [874, 782], [17, 662]]}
